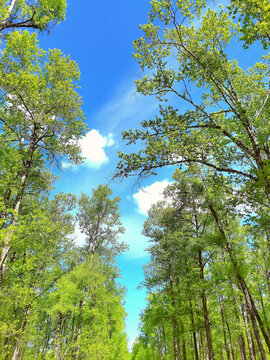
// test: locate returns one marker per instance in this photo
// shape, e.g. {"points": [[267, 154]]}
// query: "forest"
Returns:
{"points": [[208, 277]]}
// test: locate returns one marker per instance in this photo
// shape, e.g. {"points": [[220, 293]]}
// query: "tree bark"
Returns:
{"points": [[16, 352], [58, 337], [176, 343], [251, 349], [79, 327], [227, 348], [242, 347], [9, 11], [16, 207], [17, 349], [194, 332], [230, 337], [205, 312]]}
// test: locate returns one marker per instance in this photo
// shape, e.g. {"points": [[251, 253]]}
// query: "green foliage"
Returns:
{"points": [[58, 301], [223, 126], [41, 14], [215, 129], [99, 220], [201, 256], [254, 20], [40, 104]]}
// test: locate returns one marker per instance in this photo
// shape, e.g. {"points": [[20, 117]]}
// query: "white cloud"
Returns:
{"points": [[78, 237], [150, 195], [93, 146]]}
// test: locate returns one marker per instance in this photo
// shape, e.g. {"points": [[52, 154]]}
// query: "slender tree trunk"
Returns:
{"points": [[79, 327], [205, 312], [263, 309], [71, 339], [16, 352], [253, 313], [7, 246], [251, 349], [47, 340], [4, 213], [158, 343], [202, 347], [242, 347], [194, 332], [184, 350], [17, 349], [267, 261], [175, 328], [206, 348], [230, 338], [58, 337], [227, 348], [164, 337]]}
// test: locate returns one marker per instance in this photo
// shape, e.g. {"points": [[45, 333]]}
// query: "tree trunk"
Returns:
{"points": [[47, 340], [202, 347], [9, 11], [79, 327], [205, 313], [164, 337], [58, 337], [263, 309], [253, 313], [16, 351], [16, 207], [251, 349], [176, 343], [230, 337], [194, 332], [224, 329], [184, 350], [242, 347], [175, 328]]}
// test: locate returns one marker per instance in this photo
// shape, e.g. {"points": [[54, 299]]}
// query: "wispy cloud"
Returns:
{"points": [[126, 109], [134, 238]]}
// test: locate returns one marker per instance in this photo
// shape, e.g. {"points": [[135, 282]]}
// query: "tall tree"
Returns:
{"points": [[224, 126], [41, 117], [99, 220]]}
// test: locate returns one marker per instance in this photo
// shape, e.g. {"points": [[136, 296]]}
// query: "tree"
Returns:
{"points": [[40, 256], [224, 126], [99, 220], [41, 120], [202, 273], [87, 313], [41, 14]]}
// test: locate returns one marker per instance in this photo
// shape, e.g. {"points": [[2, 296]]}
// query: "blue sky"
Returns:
{"points": [[98, 36]]}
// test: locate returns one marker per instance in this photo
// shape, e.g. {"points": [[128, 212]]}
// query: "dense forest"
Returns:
{"points": [[208, 278]]}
